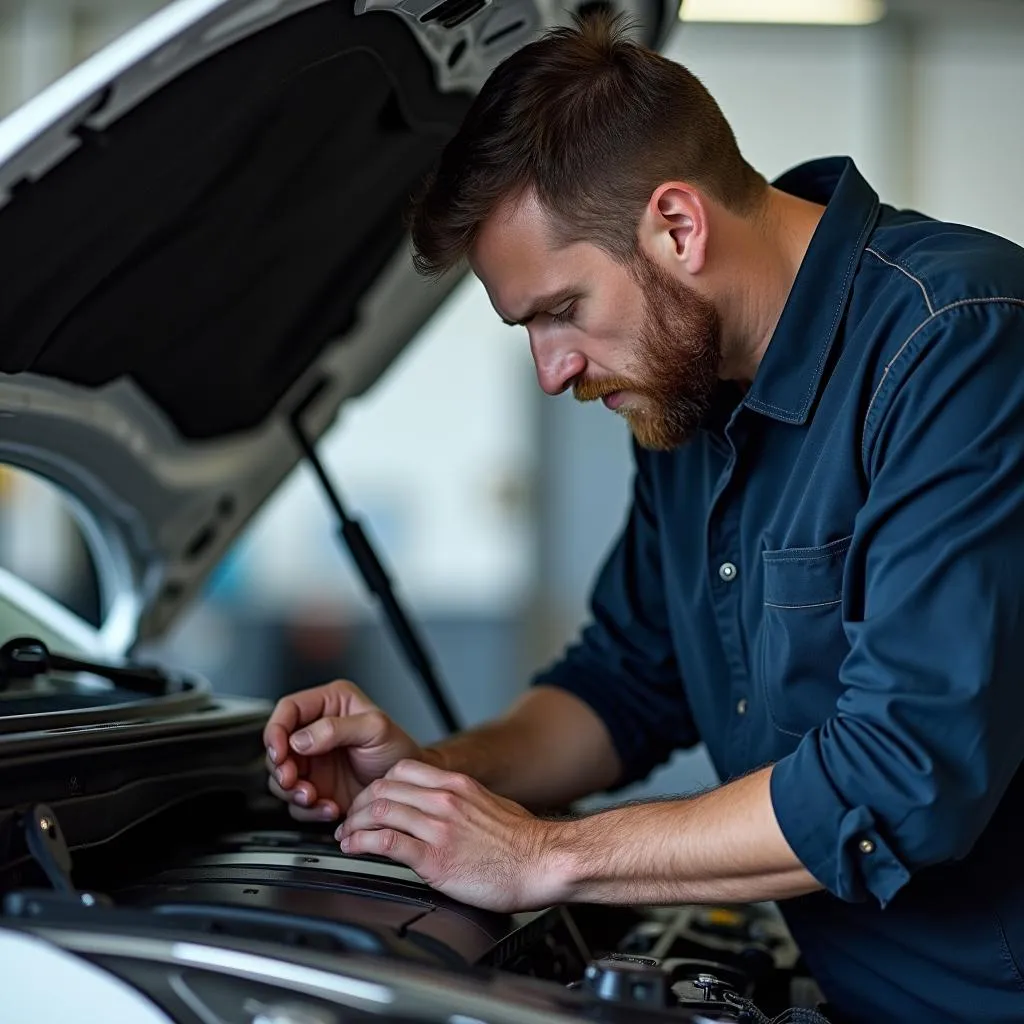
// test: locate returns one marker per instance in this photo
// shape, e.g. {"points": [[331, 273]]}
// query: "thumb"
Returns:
{"points": [[329, 733]]}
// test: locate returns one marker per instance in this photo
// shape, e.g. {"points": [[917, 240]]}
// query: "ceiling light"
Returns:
{"points": [[788, 12]]}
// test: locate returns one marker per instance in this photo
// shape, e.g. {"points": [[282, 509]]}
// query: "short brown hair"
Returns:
{"points": [[593, 123]]}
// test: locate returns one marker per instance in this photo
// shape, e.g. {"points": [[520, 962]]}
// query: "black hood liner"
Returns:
{"points": [[212, 241]]}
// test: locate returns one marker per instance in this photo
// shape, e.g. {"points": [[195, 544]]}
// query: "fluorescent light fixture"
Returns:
{"points": [[785, 12]]}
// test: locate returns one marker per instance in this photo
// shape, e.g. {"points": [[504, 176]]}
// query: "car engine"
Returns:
{"points": [[136, 837]]}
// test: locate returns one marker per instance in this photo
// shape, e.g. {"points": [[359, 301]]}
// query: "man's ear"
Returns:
{"points": [[673, 229]]}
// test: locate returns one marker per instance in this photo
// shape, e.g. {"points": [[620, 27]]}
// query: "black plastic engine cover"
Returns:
{"points": [[269, 877]]}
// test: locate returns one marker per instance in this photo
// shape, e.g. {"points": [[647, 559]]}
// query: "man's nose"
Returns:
{"points": [[558, 365]]}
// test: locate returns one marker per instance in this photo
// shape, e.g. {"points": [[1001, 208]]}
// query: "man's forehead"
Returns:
{"points": [[516, 258], [517, 229]]}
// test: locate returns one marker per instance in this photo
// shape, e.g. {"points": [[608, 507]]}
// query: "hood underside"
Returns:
{"points": [[209, 242], [200, 228]]}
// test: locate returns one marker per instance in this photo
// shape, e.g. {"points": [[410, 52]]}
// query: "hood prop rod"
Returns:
{"points": [[375, 577]]}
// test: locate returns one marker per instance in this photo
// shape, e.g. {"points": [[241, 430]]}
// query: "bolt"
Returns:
{"points": [[46, 824], [706, 982], [88, 899]]}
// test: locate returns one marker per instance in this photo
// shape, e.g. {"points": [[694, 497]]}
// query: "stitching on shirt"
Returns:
{"points": [[758, 406], [913, 334], [817, 604], [819, 554], [903, 270], [855, 255], [1007, 952], [794, 417]]}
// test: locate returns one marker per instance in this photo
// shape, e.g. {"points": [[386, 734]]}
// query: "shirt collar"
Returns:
{"points": [[788, 379]]}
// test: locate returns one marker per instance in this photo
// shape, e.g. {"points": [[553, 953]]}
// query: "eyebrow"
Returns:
{"points": [[541, 304]]}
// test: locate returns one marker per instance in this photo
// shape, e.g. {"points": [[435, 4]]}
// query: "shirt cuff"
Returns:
{"points": [[839, 843]]}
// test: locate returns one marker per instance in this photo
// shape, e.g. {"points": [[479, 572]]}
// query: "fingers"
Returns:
{"points": [[289, 713], [385, 842], [304, 793], [302, 802], [322, 810], [275, 738], [286, 773], [434, 801], [331, 732], [390, 814], [417, 773], [298, 709]]}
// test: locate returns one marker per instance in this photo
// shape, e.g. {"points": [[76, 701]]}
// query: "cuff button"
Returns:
{"points": [[866, 846]]}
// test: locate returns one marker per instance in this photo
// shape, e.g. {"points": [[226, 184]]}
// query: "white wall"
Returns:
{"points": [[793, 93], [932, 110], [438, 461], [968, 139]]}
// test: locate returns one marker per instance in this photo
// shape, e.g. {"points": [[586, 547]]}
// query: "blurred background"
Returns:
{"points": [[493, 505]]}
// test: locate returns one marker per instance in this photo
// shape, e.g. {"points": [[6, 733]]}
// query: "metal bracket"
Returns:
{"points": [[45, 842], [46, 845]]}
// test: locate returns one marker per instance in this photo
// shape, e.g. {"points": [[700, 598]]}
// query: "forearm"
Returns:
{"points": [[548, 750], [724, 845]]}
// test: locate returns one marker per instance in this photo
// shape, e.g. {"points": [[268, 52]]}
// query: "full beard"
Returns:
{"points": [[675, 365]]}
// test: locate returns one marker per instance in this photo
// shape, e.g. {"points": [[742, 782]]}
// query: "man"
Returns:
{"points": [[821, 576]]}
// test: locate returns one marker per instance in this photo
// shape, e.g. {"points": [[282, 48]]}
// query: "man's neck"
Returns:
{"points": [[771, 248]]}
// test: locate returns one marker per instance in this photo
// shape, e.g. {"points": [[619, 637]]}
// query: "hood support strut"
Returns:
{"points": [[374, 575]]}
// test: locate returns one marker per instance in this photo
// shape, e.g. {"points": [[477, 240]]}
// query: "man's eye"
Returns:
{"points": [[565, 315]]}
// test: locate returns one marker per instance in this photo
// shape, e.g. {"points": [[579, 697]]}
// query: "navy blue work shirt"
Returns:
{"points": [[830, 578]]}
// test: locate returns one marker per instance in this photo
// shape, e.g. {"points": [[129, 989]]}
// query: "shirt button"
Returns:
{"points": [[866, 846], [727, 571], [741, 706]]}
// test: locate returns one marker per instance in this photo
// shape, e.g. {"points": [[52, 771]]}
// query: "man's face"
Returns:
{"points": [[637, 338]]}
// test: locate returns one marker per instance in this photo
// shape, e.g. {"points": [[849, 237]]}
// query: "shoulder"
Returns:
{"points": [[937, 303], [937, 265]]}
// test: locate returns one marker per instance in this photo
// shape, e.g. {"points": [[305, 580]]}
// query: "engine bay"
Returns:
{"points": [[216, 878]]}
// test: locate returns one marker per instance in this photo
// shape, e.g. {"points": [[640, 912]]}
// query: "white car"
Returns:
{"points": [[202, 256]]}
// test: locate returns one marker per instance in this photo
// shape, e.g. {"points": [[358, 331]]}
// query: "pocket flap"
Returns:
{"points": [[805, 577]]}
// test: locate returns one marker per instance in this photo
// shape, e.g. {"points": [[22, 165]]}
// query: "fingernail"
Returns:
{"points": [[301, 798], [302, 741], [272, 754], [346, 843], [279, 775], [339, 832], [326, 813]]}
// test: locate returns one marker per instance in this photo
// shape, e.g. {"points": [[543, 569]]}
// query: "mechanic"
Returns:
{"points": [[822, 572]]}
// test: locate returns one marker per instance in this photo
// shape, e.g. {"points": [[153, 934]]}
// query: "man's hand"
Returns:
{"points": [[487, 851], [325, 745], [456, 835]]}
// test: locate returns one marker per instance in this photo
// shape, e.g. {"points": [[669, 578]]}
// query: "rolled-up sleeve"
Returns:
{"points": [[929, 729], [624, 666]]}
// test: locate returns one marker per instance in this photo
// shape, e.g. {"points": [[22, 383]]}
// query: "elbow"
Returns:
{"points": [[864, 833], [945, 830]]}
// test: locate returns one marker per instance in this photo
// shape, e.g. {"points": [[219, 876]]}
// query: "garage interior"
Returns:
{"points": [[494, 534], [490, 504]]}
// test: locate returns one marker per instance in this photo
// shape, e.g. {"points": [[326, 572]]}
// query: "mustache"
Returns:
{"points": [[589, 390]]}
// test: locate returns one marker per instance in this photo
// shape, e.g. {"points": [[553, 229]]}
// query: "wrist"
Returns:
{"points": [[434, 757], [559, 863]]}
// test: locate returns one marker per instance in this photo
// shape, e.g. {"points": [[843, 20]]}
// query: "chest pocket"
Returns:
{"points": [[801, 643]]}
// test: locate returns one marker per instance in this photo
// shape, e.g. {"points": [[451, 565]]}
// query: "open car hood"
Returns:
{"points": [[201, 228]]}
